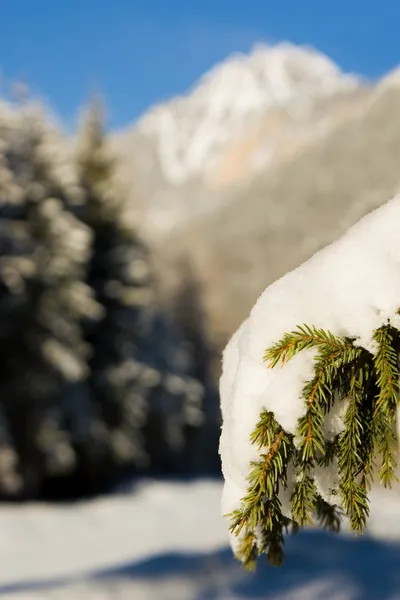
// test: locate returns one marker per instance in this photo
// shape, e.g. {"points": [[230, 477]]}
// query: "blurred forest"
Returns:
{"points": [[99, 377]]}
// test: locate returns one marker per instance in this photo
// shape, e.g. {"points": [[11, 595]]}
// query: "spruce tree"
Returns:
{"points": [[189, 315], [118, 274], [146, 399], [367, 385], [42, 296], [92, 377], [198, 355]]}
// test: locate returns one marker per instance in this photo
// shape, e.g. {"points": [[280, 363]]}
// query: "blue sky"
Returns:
{"points": [[138, 52]]}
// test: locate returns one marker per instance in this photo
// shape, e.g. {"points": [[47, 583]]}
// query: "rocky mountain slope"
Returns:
{"points": [[245, 115], [269, 158], [190, 132]]}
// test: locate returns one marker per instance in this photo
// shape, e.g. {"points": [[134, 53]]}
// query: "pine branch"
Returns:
{"points": [[353, 493], [303, 338], [387, 369], [263, 434], [272, 536], [386, 444], [319, 397], [343, 372], [261, 504], [304, 499], [367, 380], [248, 552]]}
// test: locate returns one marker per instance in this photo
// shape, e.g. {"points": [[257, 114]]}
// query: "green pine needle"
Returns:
{"points": [[369, 387]]}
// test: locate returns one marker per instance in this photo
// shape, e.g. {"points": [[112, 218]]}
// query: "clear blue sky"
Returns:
{"points": [[138, 52]]}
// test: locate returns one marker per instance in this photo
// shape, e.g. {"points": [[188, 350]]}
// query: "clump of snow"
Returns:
{"points": [[349, 288], [190, 130]]}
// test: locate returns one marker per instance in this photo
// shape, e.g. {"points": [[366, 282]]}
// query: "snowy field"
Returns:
{"points": [[167, 541]]}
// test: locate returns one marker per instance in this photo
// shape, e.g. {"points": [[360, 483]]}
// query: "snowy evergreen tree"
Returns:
{"points": [[188, 313], [95, 376], [198, 354], [44, 250], [119, 276], [150, 404], [328, 396]]}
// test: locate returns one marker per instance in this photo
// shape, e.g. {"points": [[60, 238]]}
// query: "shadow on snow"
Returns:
{"points": [[366, 568]]}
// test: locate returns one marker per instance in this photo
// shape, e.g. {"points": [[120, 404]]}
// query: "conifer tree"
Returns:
{"points": [[43, 298], [189, 315], [367, 385], [119, 276], [148, 402], [92, 377]]}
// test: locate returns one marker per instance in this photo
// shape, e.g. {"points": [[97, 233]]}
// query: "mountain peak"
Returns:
{"points": [[390, 80], [190, 130]]}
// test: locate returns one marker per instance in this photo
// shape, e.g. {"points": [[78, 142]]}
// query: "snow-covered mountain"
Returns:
{"points": [[270, 157], [189, 131]]}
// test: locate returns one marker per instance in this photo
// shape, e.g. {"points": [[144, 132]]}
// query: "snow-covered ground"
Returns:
{"points": [[167, 541]]}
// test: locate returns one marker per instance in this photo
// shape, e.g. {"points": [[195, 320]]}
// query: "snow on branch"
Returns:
{"points": [[310, 392]]}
